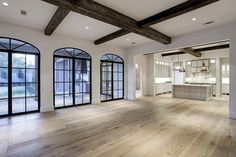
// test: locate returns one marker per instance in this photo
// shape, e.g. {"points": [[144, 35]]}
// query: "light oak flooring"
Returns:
{"points": [[148, 127]]}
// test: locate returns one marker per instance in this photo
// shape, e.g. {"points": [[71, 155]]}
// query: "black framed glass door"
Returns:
{"points": [[112, 78], [72, 78], [19, 77]]}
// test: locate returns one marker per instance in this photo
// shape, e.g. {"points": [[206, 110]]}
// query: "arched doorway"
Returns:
{"points": [[112, 77], [72, 77], [19, 77]]}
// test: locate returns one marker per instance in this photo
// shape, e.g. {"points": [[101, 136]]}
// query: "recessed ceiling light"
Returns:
{"points": [[5, 3], [127, 39], [194, 19], [87, 27]]}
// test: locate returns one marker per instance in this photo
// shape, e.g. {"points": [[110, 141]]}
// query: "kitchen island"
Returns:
{"points": [[197, 92]]}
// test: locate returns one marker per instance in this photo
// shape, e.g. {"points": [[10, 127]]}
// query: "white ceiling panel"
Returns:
{"points": [[38, 15], [221, 12], [75, 25]]}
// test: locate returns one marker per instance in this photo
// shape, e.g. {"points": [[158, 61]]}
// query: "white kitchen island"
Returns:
{"points": [[197, 92]]}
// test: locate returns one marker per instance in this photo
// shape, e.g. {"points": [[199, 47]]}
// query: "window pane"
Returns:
{"points": [[115, 67], [18, 105], [68, 76], [3, 105], [16, 44], [115, 94], [18, 75], [31, 61], [27, 48], [78, 76], [31, 75], [68, 88], [3, 59], [78, 88], [59, 76], [3, 75], [59, 101], [18, 90], [120, 67], [115, 76], [86, 77], [4, 43], [86, 98], [18, 60], [59, 88], [120, 84], [67, 64], [59, 63], [32, 104], [120, 93], [115, 85], [86, 87], [120, 76], [3, 91], [78, 64], [78, 99], [68, 100], [32, 89]]}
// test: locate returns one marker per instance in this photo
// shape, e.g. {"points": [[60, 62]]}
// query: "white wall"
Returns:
{"points": [[47, 45], [220, 33]]}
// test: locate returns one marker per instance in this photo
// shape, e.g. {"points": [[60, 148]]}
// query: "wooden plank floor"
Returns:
{"points": [[148, 127]]}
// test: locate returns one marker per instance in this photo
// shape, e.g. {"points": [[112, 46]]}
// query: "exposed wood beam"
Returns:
{"points": [[218, 47], [112, 36], [190, 51], [172, 54], [212, 48], [100, 12], [57, 18], [175, 11]]}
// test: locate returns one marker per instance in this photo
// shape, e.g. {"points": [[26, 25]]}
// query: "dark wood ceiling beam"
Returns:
{"points": [[172, 54], [175, 11], [218, 47], [190, 51], [109, 37], [57, 18], [212, 48], [100, 12]]}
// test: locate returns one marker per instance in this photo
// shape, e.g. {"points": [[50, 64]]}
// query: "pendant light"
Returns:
{"points": [[204, 67], [182, 69]]}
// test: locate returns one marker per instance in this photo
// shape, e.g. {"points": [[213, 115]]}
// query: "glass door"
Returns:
{"points": [[4, 108], [24, 83], [63, 83], [106, 81]]}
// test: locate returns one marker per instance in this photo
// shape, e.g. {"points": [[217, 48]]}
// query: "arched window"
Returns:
{"points": [[19, 77], [112, 77], [72, 77]]}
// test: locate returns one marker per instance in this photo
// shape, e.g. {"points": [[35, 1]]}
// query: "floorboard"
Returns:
{"points": [[159, 126]]}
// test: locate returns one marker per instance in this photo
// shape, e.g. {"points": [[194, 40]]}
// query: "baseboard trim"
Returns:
{"points": [[47, 109], [232, 115], [96, 101]]}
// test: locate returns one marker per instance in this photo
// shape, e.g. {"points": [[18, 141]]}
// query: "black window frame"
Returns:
{"points": [[73, 58], [112, 61], [10, 51]]}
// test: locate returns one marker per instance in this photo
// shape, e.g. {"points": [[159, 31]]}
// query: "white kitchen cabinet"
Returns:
{"points": [[162, 88]]}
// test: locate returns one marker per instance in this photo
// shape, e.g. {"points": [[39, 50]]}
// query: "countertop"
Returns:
{"points": [[192, 85]]}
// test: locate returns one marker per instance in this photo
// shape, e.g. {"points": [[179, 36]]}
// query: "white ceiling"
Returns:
{"points": [[74, 24], [140, 9], [221, 12], [39, 14]]}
